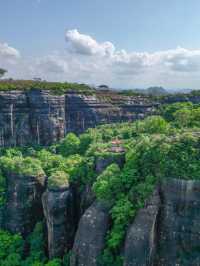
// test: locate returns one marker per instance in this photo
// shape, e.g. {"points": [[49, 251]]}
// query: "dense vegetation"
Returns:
{"points": [[159, 147], [54, 87]]}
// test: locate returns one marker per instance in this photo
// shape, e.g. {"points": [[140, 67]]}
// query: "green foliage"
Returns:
{"points": [[121, 213], [156, 148], [168, 111], [153, 125], [58, 179], [108, 183], [54, 87], [23, 166], [11, 248], [54, 262], [85, 140], [69, 145], [36, 246]]}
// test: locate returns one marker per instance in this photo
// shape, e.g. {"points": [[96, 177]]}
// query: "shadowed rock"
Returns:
{"points": [[90, 236], [59, 213], [140, 241], [23, 206], [167, 231]]}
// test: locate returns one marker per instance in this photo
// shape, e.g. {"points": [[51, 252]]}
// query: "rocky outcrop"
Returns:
{"points": [[23, 206], [166, 231], [39, 117], [90, 236], [32, 117], [87, 197], [59, 210], [179, 224], [141, 239]]}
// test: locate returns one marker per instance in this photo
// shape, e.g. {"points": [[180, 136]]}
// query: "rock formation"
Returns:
{"points": [[23, 206], [166, 231], [90, 236], [39, 117], [59, 210]]}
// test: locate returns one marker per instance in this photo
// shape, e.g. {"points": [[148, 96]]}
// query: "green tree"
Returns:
{"points": [[108, 184], [2, 72], [69, 145]]}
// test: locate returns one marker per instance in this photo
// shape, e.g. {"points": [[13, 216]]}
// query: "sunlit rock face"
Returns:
{"points": [[166, 231], [40, 117]]}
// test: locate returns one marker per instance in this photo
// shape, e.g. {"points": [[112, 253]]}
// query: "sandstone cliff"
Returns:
{"points": [[38, 117]]}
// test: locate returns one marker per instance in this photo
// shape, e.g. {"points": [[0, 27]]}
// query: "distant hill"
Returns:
{"points": [[153, 91], [156, 91]]}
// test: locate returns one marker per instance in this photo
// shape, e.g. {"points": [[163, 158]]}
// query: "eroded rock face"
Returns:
{"points": [[23, 206], [140, 244], [90, 236], [167, 231], [38, 117], [32, 117], [179, 224], [58, 208], [87, 197]]}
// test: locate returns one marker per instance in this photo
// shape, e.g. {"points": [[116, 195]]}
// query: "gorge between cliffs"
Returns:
{"points": [[99, 179]]}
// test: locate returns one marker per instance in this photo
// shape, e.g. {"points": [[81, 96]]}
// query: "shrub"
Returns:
{"points": [[23, 166], [58, 179]]}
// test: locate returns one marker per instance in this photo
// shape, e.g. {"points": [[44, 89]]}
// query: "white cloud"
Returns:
{"points": [[52, 64], [7, 52], [86, 45], [87, 60]]}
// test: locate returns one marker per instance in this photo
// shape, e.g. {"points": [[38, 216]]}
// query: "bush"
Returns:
{"points": [[58, 179], [22, 166]]}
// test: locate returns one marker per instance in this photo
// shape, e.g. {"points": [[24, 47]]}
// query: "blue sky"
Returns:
{"points": [[36, 30]]}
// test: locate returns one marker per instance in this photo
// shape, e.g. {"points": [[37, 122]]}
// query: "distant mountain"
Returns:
{"points": [[154, 91]]}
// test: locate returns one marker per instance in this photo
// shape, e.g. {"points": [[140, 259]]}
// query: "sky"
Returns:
{"points": [[121, 43]]}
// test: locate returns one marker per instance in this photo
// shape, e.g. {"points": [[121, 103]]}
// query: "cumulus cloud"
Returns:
{"points": [[86, 45], [7, 52], [87, 60], [52, 64]]}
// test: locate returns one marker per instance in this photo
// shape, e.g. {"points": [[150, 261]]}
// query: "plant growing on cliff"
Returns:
{"points": [[108, 184], [58, 180], [22, 166]]}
